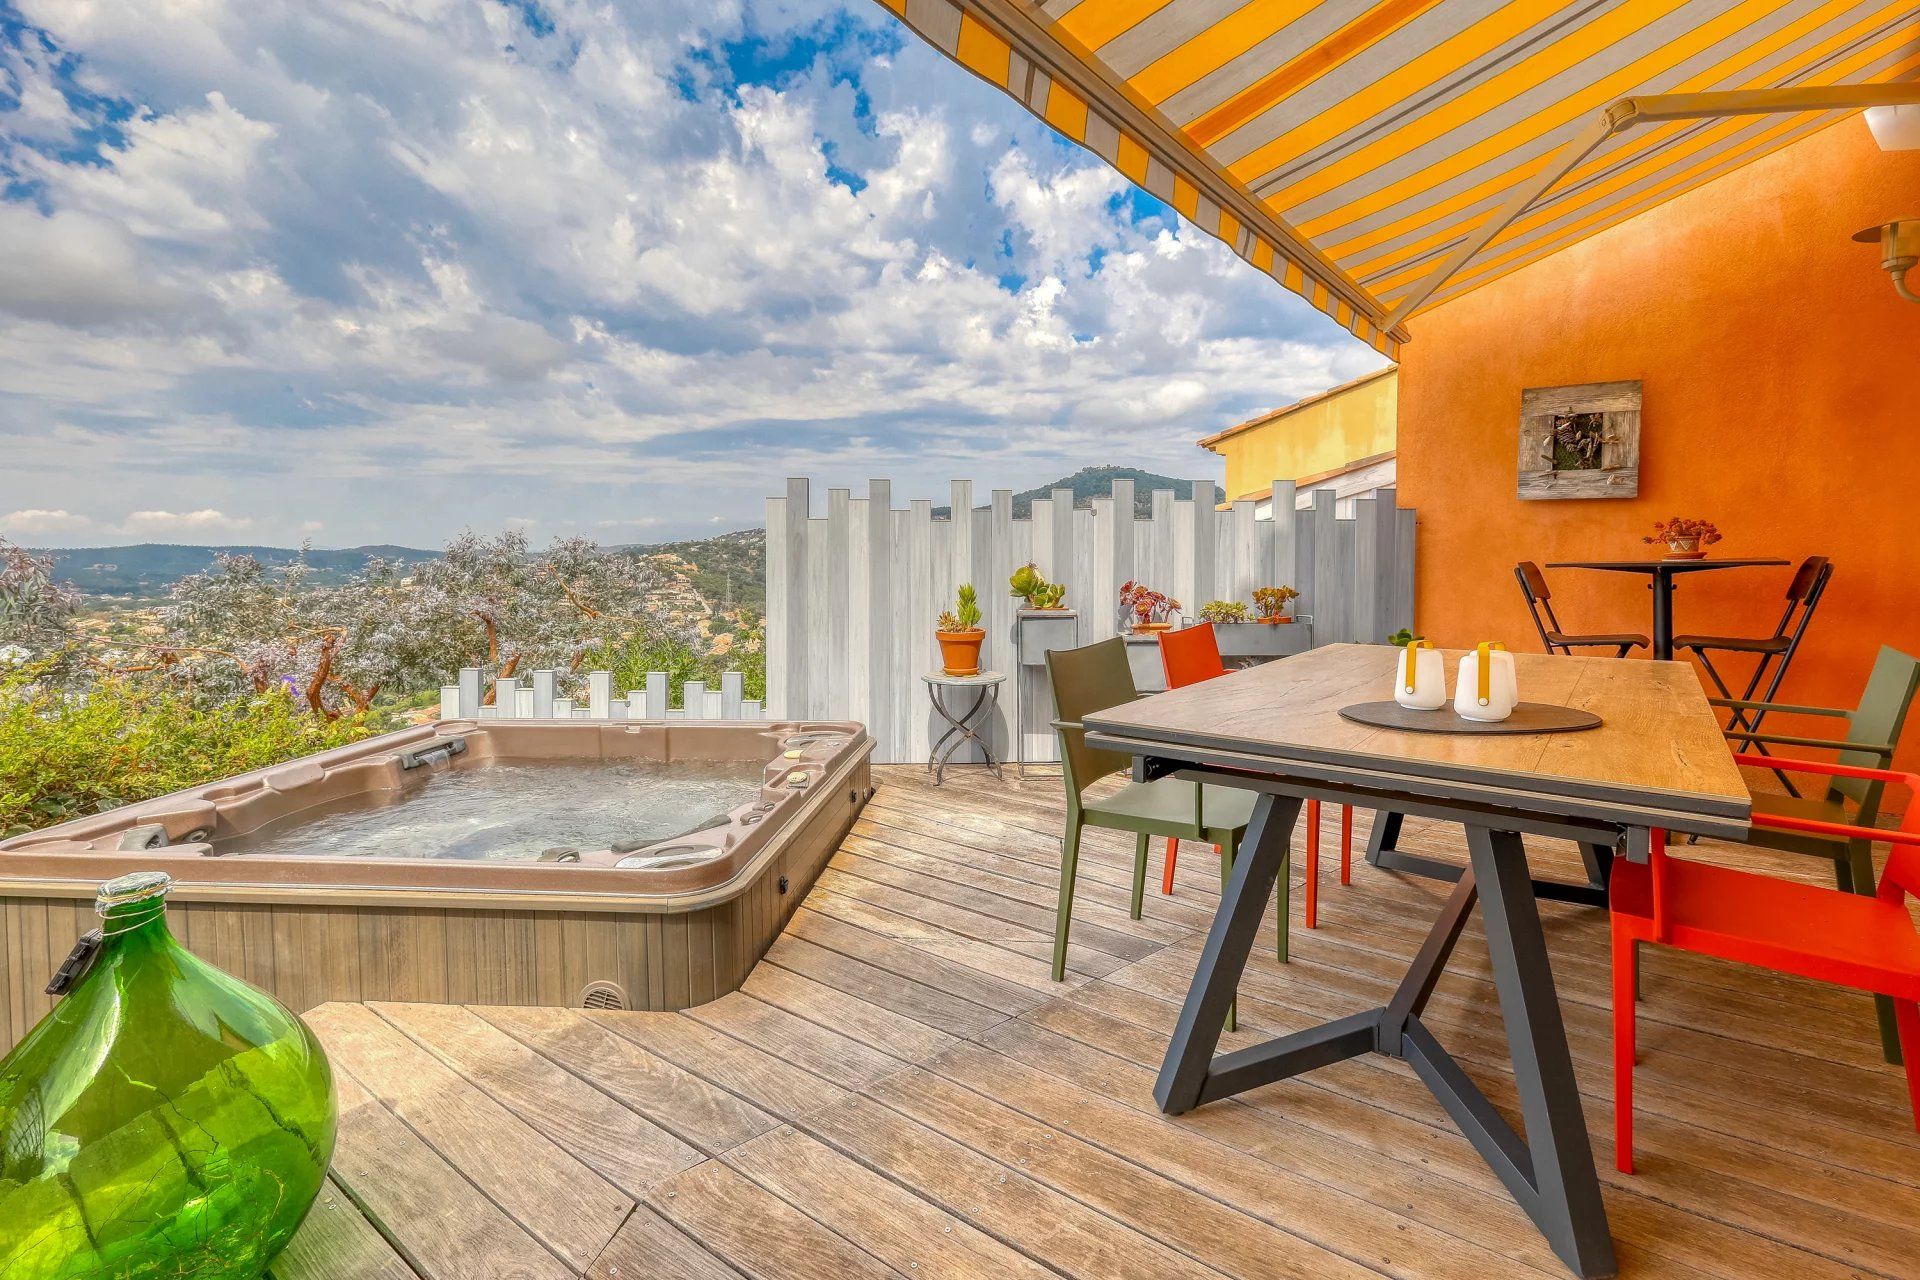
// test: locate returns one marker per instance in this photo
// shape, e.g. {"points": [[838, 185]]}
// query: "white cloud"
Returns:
{"points": [[35, 520], [164, 523], [403, 267]]}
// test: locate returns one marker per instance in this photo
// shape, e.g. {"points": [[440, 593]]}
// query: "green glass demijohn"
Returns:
{"points": [[164, 1120]]}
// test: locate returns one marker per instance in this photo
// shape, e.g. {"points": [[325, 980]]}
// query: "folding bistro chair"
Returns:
{"points": [[1192, 654], [1868, 943], [1533, 585], [1772, 653], [1093, 678]]}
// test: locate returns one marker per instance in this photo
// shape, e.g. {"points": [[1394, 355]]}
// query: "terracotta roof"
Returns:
{"points": [[1272, 415]]}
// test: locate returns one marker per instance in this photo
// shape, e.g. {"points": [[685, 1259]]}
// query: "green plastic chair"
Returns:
{"points": [[1872, 734], [1091, 679]]}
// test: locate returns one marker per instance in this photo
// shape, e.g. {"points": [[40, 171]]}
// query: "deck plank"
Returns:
{"points": [[448, 1229], [561, 1201], [337, 1240], [625, 1147], [701, 1114], [900, 1090], [757, 1231], [885, 1219], [648, 1247]]}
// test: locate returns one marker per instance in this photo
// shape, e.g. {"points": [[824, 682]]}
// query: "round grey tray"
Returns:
{"points": [[1527, 717]]}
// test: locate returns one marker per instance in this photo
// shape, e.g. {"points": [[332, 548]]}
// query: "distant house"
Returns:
{"points": [[1341, 439]]}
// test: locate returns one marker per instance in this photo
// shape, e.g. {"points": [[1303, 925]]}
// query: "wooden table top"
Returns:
{"points": [[1659, 749]]}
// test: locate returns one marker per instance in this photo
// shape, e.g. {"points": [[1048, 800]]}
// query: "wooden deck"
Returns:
{"points": [[899, 1090]]}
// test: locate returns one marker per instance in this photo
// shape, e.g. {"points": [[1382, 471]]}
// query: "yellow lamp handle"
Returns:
{"points": [[1413, 645], [1484, 669]]}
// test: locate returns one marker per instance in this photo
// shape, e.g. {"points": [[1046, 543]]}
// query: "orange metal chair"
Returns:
{"points": [[1869, 944], [1192, 654]]}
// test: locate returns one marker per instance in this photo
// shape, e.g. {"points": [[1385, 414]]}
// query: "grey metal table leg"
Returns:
{"points": [[1382, 852], [1550, 1172]]}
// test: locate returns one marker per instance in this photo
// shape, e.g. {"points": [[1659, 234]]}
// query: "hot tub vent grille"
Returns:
{"points": [[603, 995]]}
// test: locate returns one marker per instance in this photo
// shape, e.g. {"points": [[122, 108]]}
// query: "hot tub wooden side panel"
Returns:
{"points": [[309, 954]]}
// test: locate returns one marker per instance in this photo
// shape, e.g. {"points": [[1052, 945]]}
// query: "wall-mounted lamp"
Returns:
{"points": [[1897, 127], [1899, 243]]}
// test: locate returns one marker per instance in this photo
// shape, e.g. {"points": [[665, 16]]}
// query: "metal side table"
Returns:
{"points": [[963, 723]]}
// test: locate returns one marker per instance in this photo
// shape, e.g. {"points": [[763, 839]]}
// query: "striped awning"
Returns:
{"points": [[1351, 148]]}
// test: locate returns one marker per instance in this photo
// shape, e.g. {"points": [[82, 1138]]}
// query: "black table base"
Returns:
{"points": [[1550, 1172], [1383, 852]]}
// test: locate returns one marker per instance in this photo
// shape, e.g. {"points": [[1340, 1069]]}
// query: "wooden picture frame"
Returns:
{"points": [[1581, 441]]}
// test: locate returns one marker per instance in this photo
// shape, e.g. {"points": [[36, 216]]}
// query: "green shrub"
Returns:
{"points": [[683, 661], [66, 754]]}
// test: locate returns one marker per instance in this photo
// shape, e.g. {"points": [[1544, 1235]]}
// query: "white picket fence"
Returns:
{"points": [[852, 594], [536, 699]]}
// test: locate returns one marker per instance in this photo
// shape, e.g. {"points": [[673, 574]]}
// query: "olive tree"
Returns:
{"points": [[36, 609], [240, 629]]}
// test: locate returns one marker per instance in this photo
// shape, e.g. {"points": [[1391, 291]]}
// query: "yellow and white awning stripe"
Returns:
{"points": [[1350, 147]]}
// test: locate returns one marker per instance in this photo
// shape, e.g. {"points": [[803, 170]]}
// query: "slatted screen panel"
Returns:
{"points": [[852, 592]]}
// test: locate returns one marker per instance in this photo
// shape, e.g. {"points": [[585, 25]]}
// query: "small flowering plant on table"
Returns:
{"points": [[1685, 539], [1145, 608], [1270, 603]]}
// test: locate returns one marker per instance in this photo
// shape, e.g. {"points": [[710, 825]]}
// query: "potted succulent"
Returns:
{"points": [[958, 631], [1271, 603], [1146, 609], [1223, 612], [1030, 585], [1684, 539]]}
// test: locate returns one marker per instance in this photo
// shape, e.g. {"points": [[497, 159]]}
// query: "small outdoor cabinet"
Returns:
{"points": [[1262, 639], [1035, 632], [1143, 655], [1038, 630]]}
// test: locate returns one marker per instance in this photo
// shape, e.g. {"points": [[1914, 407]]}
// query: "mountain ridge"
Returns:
{"points": [[1089, 483]]}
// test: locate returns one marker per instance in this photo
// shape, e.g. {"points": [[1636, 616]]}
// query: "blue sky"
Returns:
{"points": [[375, 270]]}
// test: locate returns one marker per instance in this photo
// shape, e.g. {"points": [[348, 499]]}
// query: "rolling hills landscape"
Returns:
{"points": [[728, 571]]}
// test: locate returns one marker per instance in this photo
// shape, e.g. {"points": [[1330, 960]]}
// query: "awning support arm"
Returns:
{"points": [[1647, 109]]}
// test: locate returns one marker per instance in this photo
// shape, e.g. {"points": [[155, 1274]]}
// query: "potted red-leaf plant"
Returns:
{"points": [[1145, 609], [1684, 539]]}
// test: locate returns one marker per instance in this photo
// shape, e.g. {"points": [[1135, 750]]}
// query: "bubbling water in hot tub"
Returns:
{"points": [[512, 812]]}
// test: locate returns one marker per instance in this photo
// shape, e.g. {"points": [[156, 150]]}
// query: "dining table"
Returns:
{"points": [[1657, 761], [1661, 574]]}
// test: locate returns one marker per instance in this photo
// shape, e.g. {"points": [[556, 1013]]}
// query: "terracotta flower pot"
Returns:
{"points": [[1149, 628], [1685, 549], [960, 651]]}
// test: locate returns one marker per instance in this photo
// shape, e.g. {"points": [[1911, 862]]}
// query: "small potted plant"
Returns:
{"points": [[1147, 610], [1030, 585], [1223, 612], [959, 634], [1684, 539], [1270, 603]]}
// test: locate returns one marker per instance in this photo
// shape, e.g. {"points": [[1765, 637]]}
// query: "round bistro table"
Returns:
{"points": [[1660, 575], [963, 722]]}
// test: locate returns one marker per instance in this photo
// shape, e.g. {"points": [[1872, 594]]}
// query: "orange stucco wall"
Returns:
{"points": [[1781, 401]]}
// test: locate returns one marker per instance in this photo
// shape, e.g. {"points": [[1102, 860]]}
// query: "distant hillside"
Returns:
{"points": [[729, 570], [146, 570], [1089, 483]]}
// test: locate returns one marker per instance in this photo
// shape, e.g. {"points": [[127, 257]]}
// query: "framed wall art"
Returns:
{"points": [[1580, 442]]}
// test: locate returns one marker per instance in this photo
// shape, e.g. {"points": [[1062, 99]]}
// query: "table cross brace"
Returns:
{"points": [[1550, 1172]]}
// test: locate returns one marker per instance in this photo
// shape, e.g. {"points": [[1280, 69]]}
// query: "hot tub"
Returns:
{"points": [[620, 864]]}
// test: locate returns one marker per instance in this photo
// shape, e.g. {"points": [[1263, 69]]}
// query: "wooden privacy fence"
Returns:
{"points": [[537, 698], [852, 594]]}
